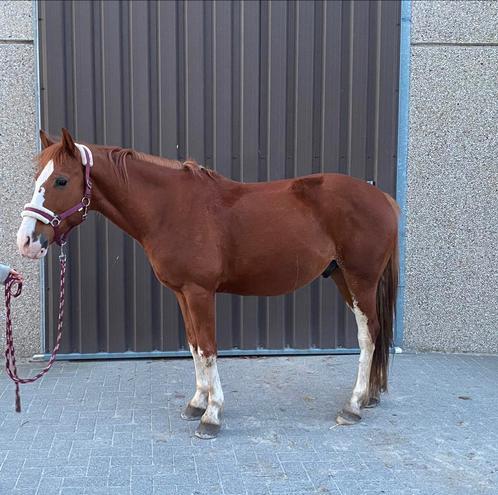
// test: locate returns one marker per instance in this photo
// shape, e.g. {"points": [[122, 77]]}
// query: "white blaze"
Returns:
{"points": [[34, 249]]}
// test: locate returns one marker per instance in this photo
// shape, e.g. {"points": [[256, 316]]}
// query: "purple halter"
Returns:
{"points": [[49, 217]]}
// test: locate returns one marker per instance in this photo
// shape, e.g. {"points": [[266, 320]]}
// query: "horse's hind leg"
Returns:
{"points": [[365, 311], [200, 307]]}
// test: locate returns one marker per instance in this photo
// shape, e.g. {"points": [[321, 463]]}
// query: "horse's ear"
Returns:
{"points": [[46, 139], [68, 142]]}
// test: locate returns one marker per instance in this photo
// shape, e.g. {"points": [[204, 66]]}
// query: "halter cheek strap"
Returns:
{"points": [[49, 217]]}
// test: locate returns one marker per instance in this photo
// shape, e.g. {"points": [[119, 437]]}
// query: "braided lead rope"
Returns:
{"points": [[13, 288]]}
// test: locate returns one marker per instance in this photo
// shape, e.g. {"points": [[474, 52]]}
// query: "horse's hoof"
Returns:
{"points": [[345, 417], [206, 431], [372, 402], [192, 413]]}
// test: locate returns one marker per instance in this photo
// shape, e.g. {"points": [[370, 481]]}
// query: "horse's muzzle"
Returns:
{"points": [[31, 246]]}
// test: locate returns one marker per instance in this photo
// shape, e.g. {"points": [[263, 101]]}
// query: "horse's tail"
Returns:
{"points": [[386, 308]]}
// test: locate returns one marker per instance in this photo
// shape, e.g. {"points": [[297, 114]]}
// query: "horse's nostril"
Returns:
{"points": [[43, 241], [28, 241]]}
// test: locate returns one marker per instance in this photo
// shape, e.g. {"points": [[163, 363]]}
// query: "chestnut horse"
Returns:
{"points": [[204, 234]]}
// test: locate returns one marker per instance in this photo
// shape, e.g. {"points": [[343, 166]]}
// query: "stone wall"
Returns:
{"points": [[451, 295], [17, 149]]}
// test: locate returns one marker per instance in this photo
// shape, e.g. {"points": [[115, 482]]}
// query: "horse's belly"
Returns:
{"points": [[280, 264], [272, 283]]}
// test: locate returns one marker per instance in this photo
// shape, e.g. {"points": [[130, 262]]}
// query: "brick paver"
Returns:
{"points": [[114, 428]]}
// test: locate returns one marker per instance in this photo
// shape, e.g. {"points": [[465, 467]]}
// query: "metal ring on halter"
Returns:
{"points": [[55, 222], [85, 201]]}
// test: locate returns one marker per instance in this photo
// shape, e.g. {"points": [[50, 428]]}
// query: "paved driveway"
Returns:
{"points": [[114, 427]]}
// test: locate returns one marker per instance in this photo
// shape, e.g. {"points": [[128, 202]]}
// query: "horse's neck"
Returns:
{"points": [[136, 204]]}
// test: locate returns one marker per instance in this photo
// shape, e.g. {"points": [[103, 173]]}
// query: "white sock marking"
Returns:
{"points": [[200, 398], [367, 347], [216, 398]]}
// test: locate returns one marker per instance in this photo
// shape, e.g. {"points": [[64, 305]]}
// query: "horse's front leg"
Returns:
{"points": [[208, 399], [197, 405]]}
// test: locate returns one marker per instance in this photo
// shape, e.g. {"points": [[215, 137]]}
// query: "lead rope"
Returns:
{"points": [[13, 288]]}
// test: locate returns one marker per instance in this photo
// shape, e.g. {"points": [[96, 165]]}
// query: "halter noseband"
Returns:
{"points": [[48, 217]]}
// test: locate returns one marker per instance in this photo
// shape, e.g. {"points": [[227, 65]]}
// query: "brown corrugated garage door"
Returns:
{"points": [[256, 90]]}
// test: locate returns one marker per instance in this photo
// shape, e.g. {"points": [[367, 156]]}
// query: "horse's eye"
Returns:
{"points": [[60, 182]]}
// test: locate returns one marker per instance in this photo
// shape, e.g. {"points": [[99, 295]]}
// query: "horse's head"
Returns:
{"points": [[60, 185]]}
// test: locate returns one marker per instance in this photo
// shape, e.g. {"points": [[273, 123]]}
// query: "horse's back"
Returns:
{"points": [[338, 200], [338, 203], [325, 186]]}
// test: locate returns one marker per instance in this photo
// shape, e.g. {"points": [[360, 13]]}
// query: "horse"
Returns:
{"points": [[204, 233]]}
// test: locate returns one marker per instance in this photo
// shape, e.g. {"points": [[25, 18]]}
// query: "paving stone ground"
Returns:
{"points": [[114, 428]]}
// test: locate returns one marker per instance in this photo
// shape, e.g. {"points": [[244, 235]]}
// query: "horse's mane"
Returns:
{"points": [[118, 157]]}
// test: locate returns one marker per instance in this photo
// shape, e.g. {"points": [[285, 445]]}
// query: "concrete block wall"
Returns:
{"points": [[17, 149], [451, 295]]}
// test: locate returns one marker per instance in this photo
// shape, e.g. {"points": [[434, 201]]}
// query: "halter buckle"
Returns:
{"points": [[55, 222]]}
